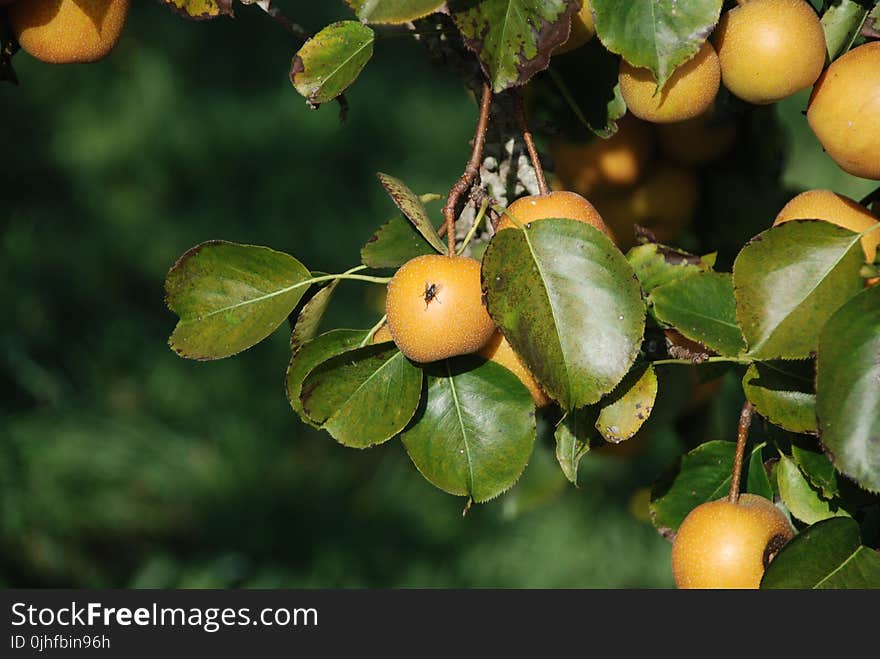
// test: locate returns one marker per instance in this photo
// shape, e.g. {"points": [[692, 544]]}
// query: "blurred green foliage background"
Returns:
{"points": [[122, 465]]}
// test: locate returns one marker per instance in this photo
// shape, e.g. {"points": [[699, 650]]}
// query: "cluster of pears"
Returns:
{"points": [[764, 51], [645, 174], [67, 31], [434, 303]]}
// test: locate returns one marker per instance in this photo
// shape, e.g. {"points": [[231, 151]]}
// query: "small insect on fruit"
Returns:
{"points": [[431, 291]]}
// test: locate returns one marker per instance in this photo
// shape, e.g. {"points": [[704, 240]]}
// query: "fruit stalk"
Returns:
{"points": [[742, 436], [543, 189], [471, 171]]}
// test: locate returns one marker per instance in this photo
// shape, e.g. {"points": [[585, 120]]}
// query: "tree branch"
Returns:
{"points": [[543, 189], [471, 171], [742, 436]]}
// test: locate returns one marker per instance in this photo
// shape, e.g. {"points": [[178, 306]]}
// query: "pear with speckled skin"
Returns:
{"points": [[559, 205], [435, 308], [770, 49], [721, 544], [844, 111], [68, 31], [688, 93]]}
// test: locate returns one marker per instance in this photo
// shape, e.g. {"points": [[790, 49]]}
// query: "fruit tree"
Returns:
{"points": [[573, 280]]}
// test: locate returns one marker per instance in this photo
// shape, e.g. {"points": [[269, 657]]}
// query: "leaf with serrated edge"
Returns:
{"points": [[828, 555], [660, 35], [799, 496], [413, 208], [701, 307], [848, 388], [331, 61], [363, 397], [782, 393], [312, 353], [789, 280], [393, 12], [569, 304], [230, 297], [475, 431], [628, 406], [513, 38], [701, 475], [656, 265]]}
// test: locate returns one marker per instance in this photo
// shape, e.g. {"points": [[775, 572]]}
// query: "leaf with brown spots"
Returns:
{"points": [[513, 38]]}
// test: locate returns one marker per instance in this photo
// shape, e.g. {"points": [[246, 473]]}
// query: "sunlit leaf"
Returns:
{"points": [[331, 61], [474, 433], [659, 35], [230, 297], [364, 396], [789, 280], [569, 304]]}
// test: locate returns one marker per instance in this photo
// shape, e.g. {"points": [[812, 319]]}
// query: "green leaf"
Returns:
{"points": [[701, 307], [656, 34], [799, 497], [782, 393], [701, 475], [818, 469], [828, 555], [331, 61], [395, 243], [312, 353], [586, 90], [200, 9], [757, 481], [230, 297], [789, 280], [513, 38], [842, 22], [411, 206], [848, 388], [364, 396], [573, 440], [309, 318], [393, 12], [656, 265], [628, 406], [568, 303], [474, 433]]}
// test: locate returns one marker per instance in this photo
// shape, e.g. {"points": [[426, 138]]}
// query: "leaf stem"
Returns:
{"points": [[742, 436], [373, 330], [348, 274], [543, 189], [472, 170], [871, 198], [477, 221]]}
